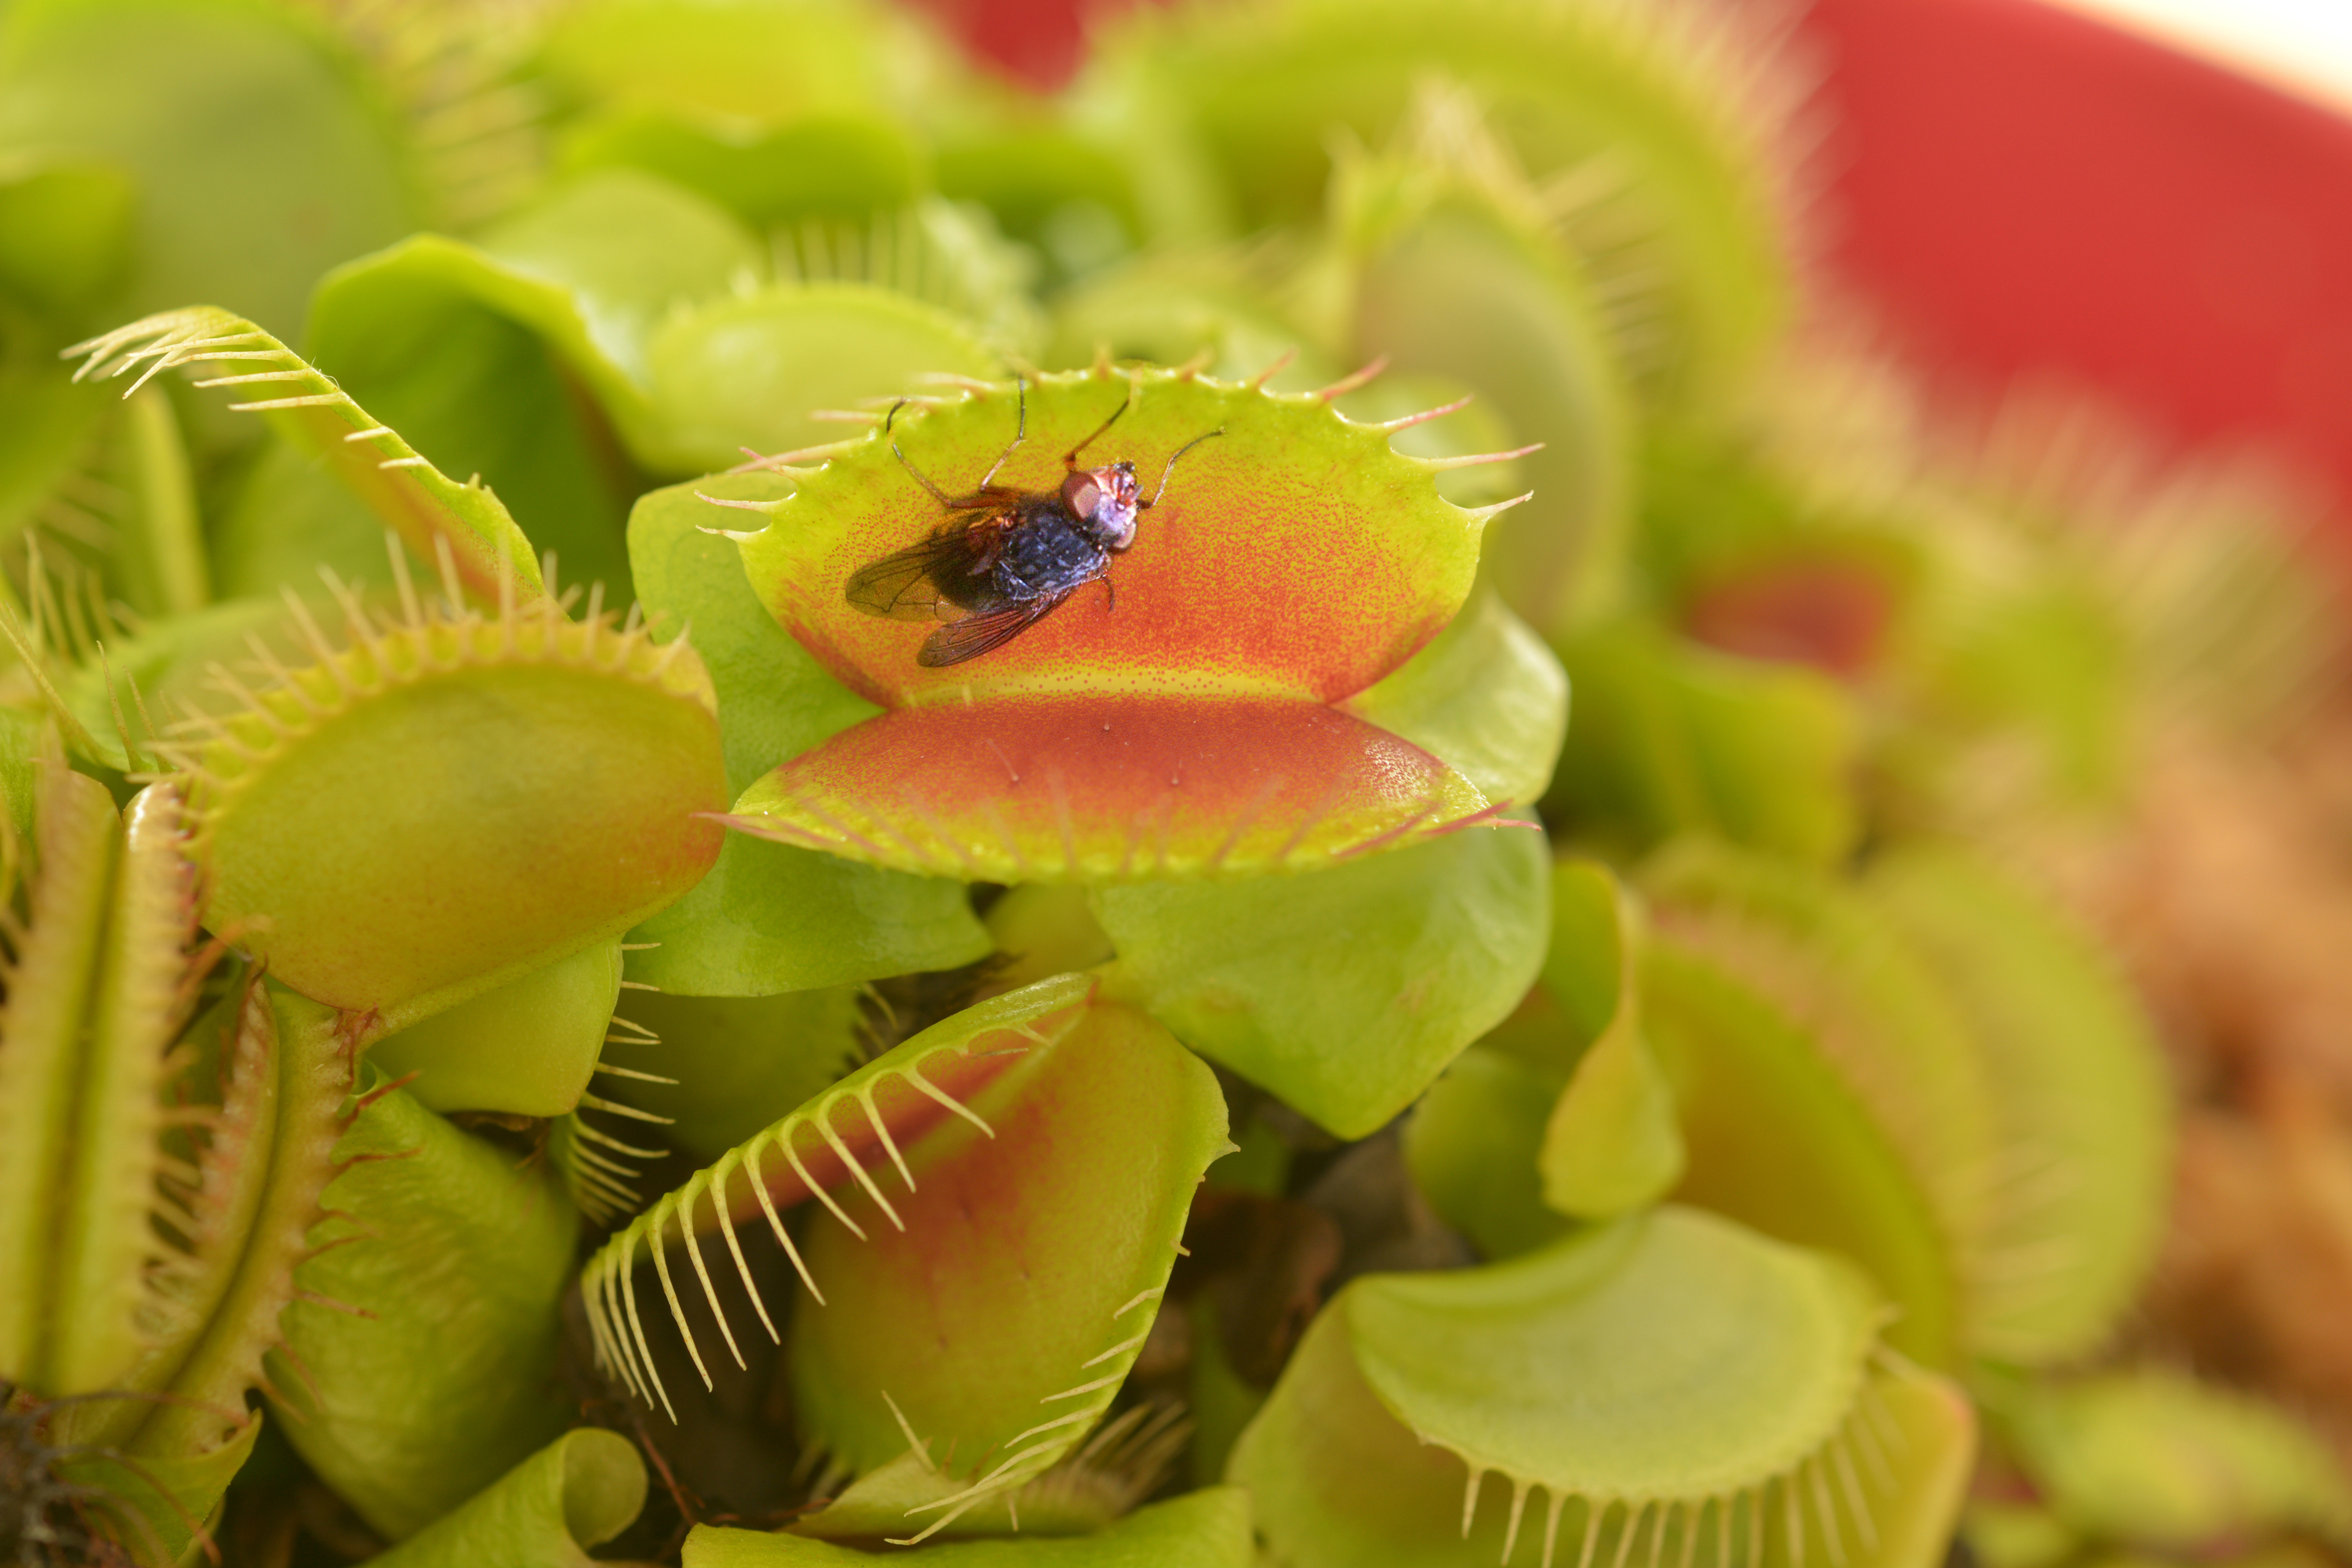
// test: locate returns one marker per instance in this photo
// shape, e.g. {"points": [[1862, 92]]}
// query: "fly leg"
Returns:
{"points": [[1019, 434], [987, 495], [921, 479]]}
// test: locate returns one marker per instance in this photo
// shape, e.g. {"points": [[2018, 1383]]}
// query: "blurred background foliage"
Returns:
{"points": [[1909, 1089]]}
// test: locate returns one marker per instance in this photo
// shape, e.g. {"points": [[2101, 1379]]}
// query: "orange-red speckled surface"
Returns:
{"points": [[1295, 555], [1086, 788]]}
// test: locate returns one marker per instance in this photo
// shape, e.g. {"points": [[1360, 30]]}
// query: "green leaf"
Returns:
{"points": [[1486, 696], [630, 249], [1777, 1139], [753, 370], [419, 1359], [1614, 1142], [261, 155], [1344, 992], [2081, 1102], [1674, 739], [743, 1063], [1454, 278], [1543, 1120], [755, 65], [771, 917], [1589, 967], [1584, 977], [578, 1491], [526, 1048], [65, 231], [285, 517], [1206, 1528], [1691, 112], [840, 165], [464, 354], [1829, 963], [1673, 1374], [1472, 1143]]}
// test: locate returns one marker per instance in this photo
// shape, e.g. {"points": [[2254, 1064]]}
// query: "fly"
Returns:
{"points": [[1006, 558]]}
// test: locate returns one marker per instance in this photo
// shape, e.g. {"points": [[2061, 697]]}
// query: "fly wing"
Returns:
{"points": [[905, 585], [976, 635]]}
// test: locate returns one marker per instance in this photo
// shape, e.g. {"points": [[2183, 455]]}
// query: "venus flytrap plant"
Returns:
{"points": [[1888, 1030], [1452, 265], [577, 1493], [92, 992], [1207, 739], [1205, 1529], [1775, 1139], [692, 342], [1045, 1144], [1673, 739], [418, 1361], [1131, 812], [154, 1254], [1688, 112], [783, 113], [417, 501], [2080, 1116], [247, 207], [1695, 1164], [517, 705], [2154, 1460], [771, 917], [1731, 1407]]}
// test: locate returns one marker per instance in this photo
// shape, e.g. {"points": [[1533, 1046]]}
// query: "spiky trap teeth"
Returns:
{"points": [[1015, 1131]]}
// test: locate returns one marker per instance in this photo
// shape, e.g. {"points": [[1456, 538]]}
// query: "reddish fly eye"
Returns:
{"points": [[1081, 495]]}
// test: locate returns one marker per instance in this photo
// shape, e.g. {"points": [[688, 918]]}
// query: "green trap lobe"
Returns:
{"points": [[1005, 1316], [77, 838]]}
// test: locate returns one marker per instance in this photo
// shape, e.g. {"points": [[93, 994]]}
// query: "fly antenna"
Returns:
{"points": [[1171, 468], [1070, 457]]}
